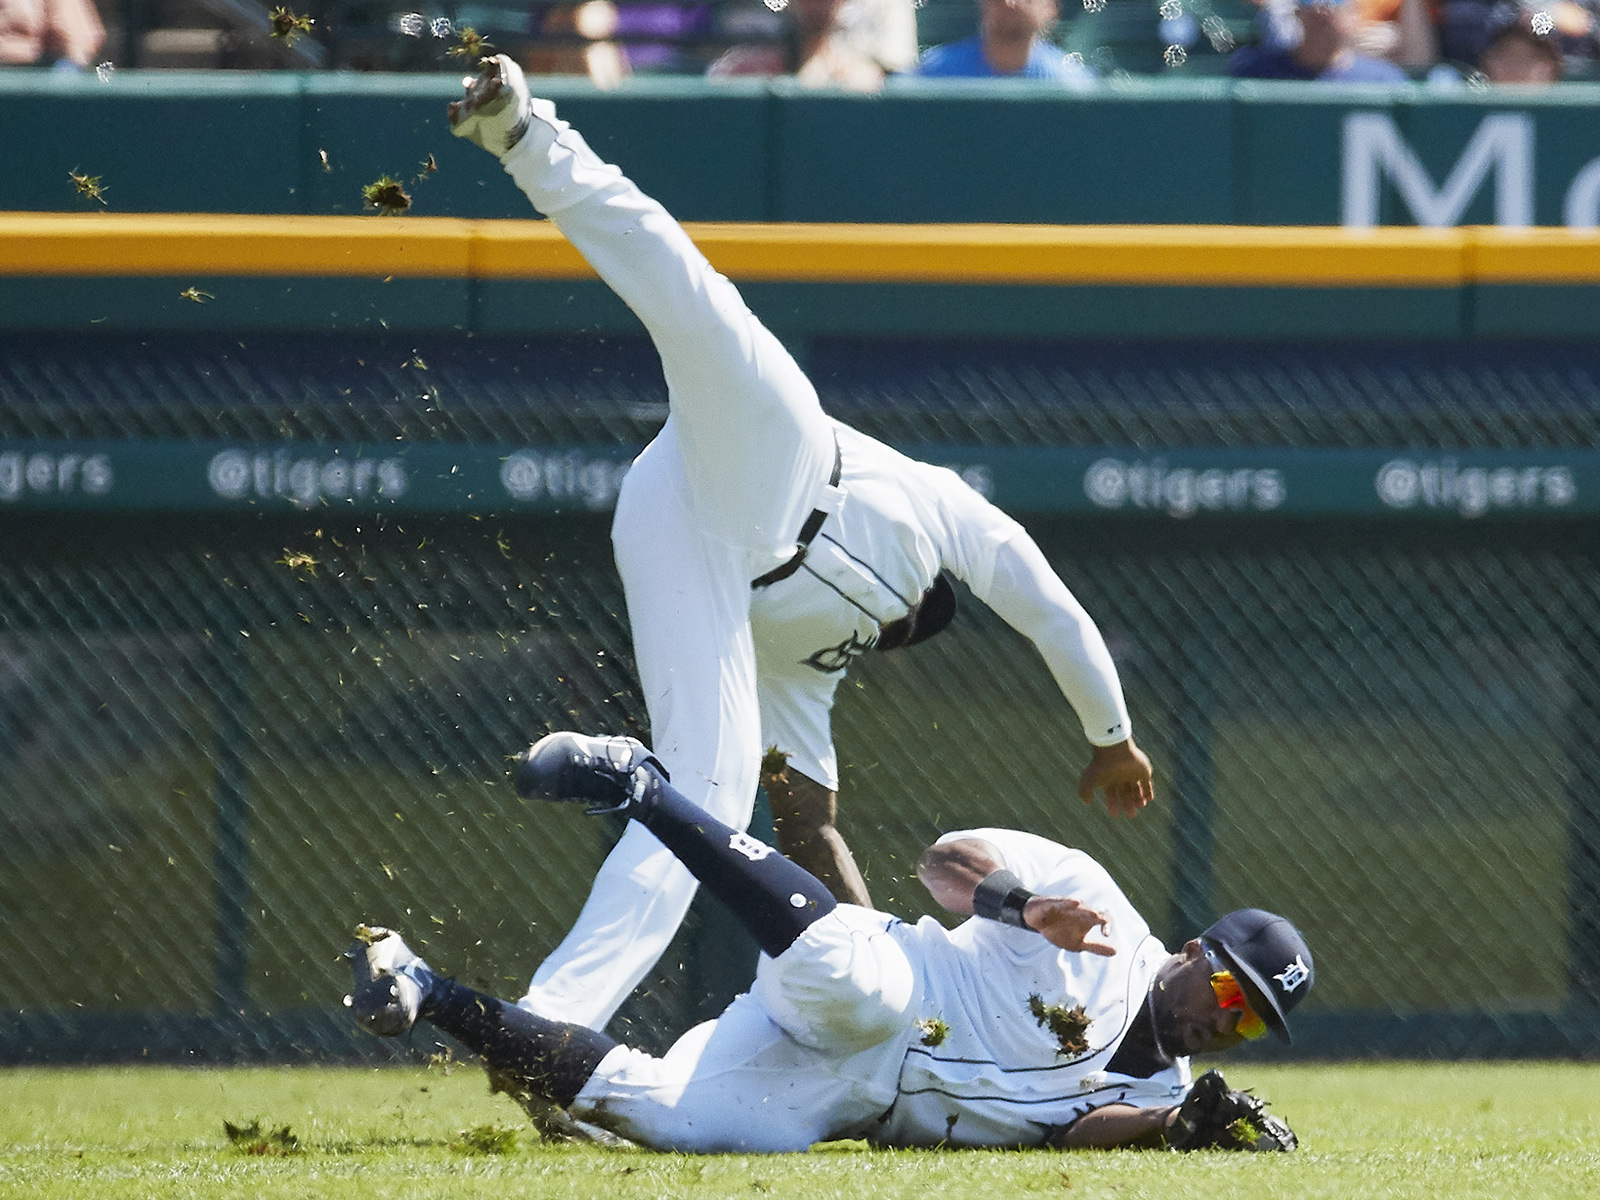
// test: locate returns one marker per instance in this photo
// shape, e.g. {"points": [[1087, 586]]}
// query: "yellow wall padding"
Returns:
{"points": [[114, 244]]}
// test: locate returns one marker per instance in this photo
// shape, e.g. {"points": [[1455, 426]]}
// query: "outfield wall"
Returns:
{"points": [[1143, 151], [278, 607], [293, 565]]}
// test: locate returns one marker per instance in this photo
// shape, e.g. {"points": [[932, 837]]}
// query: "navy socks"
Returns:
{"points": [[772, 897], [549, 1058], [775, 899]]}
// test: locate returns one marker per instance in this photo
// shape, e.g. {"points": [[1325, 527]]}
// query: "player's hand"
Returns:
{"points": [[1122, 772], [1066, 923]]}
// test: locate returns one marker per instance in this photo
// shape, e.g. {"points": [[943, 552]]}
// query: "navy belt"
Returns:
{"points": [[808, 532]]}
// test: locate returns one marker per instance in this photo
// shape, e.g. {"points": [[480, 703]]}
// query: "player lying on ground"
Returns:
{"points": [[1052, 1017], [762, 548]]}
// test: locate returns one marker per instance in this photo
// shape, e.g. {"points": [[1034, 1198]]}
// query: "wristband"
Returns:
{"points": [[1001, 897]]}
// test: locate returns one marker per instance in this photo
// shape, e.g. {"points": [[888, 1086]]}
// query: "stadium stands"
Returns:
{"points": [[1137, 36]]}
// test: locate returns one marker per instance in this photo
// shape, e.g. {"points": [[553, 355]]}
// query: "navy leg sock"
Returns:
{"points": [[550, 1058], [772, 897]]}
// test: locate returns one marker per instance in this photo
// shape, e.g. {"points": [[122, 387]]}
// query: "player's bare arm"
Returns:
{"points": [[956, 874], [1211, 1116], [952, 870], [1115, 1125]]}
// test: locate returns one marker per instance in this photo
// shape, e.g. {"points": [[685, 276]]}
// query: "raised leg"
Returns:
{"points": [[756, 446], [688, 601], [775, 899]]}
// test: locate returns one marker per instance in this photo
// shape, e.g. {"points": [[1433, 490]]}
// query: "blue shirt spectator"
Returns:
{"points": [[965, 60], [1010, 44]]}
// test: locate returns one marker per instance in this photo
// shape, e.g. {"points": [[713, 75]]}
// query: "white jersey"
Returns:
{"points": [[831, 1042], [898, 523], [717, 500], [999, 1078]]}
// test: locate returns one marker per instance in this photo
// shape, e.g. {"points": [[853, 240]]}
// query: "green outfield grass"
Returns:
{"points": [[1443, 1132]]}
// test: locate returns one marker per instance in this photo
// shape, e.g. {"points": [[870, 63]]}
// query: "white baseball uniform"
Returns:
{"points": [[718, 499], [828, 1044]]}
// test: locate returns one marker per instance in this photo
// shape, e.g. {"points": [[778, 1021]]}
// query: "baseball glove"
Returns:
{"points": [[1215, 1118]]}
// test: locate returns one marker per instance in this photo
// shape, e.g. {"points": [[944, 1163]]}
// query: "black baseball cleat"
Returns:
{"points": [[496, 109], [610, 774], [389, 981]]}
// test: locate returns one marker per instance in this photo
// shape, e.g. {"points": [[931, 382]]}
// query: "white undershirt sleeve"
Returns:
{"points": [[994, 556], [1030, 597]]}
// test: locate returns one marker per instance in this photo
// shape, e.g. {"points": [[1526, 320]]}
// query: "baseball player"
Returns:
{"points": [[762, 548], [1052, 1016]]}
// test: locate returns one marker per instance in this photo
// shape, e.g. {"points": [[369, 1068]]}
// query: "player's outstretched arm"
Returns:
{"points": [[952, 872], [1211, 1117], [1027, 593], [1117, 1125]]}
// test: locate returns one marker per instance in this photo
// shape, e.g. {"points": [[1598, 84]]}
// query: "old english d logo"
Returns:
{"points": [[838, 658], [1294, 974]]}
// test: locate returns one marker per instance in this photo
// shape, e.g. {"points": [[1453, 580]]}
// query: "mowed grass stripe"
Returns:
{"points": [[1503, 1130]]}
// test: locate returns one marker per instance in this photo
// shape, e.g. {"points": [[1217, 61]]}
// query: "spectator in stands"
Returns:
{"points": [[1402, 31], [599, 58], [1512, 43], [1516, 54], [816, 53], [1011, 42], [49, 32], [1316, 41], [884, 30]]}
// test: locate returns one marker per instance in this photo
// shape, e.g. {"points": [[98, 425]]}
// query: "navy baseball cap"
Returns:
{"points": [[1269, 958]]}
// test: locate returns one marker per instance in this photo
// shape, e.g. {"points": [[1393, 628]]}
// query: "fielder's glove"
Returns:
{"points": [[1215, 1118]]}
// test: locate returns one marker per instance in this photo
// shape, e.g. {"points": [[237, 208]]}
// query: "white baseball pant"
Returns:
{"points": [[813, 1052], [717, 499]]}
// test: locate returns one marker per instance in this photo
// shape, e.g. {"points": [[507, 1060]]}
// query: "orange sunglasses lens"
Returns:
{"points": [[1231, 995]]}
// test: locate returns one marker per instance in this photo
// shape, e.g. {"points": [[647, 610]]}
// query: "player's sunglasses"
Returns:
{"points": [[1231, 995]]}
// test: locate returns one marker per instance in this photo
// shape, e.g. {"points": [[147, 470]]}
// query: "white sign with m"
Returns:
{"points": [[1374, 148]]}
